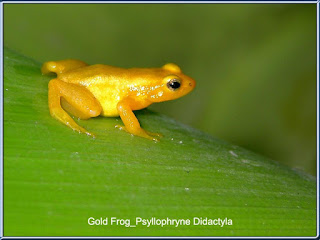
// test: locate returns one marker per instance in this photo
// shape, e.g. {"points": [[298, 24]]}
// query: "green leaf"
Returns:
{"points": [[55, 179]]}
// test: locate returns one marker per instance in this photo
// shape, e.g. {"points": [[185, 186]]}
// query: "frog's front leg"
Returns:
{"points": [[131, 123], [76, 99]]}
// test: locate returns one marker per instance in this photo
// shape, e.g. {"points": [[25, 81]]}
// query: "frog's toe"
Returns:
{"points": [[151, 137], [140, 133], [148, 135], [67, 120], [90, 134], [120, 127], [159, 135], [82, 130]]}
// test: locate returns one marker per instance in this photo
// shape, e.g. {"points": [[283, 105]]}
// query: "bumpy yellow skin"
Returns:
{"points": [[89, 91]]}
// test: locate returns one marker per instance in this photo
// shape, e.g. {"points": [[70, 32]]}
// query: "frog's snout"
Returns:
{"points": [[191, 84]]}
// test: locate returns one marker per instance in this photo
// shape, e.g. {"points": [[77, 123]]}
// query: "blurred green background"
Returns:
{"points": [[255, 64]]}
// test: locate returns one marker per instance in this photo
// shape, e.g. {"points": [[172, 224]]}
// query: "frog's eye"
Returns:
{"points": [[174, 84]]}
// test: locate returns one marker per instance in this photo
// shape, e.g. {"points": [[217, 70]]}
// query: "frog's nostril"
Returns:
{"points": [[192, 84]]}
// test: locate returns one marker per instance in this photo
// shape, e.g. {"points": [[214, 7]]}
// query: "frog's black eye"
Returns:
{"points": [[174, 84]]}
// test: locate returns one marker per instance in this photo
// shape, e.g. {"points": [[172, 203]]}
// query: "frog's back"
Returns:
{"points": [[84, 75]]}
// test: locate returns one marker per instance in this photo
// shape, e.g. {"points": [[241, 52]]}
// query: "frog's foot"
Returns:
{"points": [[63, 117], [66, 119], [141, 133], [159, 135]]}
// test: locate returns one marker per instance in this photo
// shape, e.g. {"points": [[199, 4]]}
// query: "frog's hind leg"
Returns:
{"points": [[76, 99], [62, 66]]}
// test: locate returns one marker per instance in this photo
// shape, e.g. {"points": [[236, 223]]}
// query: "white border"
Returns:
{"points": [[167, 2], [318, 223], [1, 121]]}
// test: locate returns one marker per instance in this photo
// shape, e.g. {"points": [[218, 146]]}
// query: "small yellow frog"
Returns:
{"points": [[89, 91]]}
